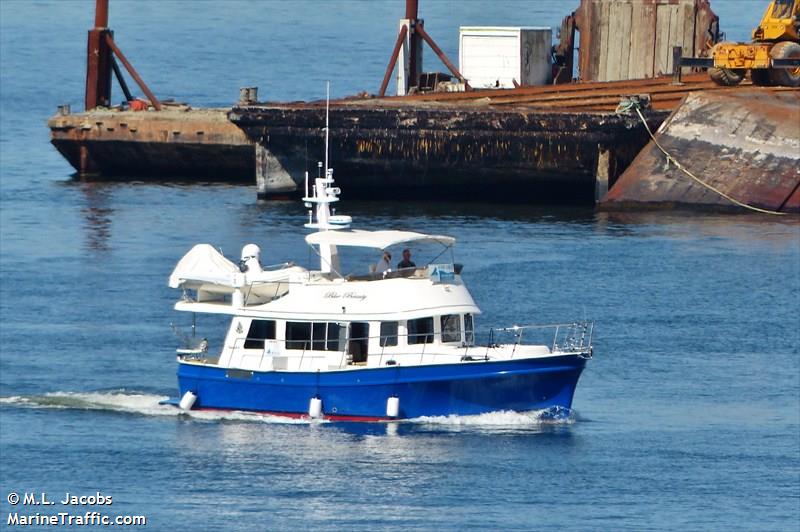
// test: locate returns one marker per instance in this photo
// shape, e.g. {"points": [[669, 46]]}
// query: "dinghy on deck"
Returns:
{"points": [[215, 278]]}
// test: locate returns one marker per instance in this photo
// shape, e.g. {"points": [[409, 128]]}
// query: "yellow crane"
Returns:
{"points": [[772, 58]]}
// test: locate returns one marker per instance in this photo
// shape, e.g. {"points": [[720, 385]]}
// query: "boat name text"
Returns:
{"points": [[346, 295]]}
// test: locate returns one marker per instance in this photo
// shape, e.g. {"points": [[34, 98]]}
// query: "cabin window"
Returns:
{"points": [[388, 333], [298, 335], [332, 342], [451, 328], [420, 331], [318, 336], [469, 329], [260, 330]]}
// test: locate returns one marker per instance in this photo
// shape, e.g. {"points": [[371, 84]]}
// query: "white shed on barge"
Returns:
{"points": [[496, 57]]}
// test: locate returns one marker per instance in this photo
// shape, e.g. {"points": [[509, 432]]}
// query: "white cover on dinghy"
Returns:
{"points": [[207, 270], [205, 265]]}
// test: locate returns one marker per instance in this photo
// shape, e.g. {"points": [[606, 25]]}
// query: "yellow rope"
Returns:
{"points": [[680, 167]]}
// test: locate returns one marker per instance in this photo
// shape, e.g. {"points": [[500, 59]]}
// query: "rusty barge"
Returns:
{"points": [[566, 142], [562, 143], [175, 142]]}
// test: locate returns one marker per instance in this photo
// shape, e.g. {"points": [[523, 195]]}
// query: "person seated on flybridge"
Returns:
{"points": [[406, 262], [385, 263]]}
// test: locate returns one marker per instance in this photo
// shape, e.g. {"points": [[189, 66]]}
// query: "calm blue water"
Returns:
{"points": [[689, 416]]}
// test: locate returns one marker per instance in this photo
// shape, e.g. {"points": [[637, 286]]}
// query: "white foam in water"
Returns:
{"points": [[505, 418], [148, 405], [136, 403]]}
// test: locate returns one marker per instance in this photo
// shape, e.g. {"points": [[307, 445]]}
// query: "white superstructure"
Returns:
{"points": [[288, 318]]}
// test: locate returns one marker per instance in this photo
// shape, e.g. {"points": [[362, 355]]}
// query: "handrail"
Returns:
{"points": [[383, 350], [581, 327], [555, 338], [573, 337], [537, 326], [278, 266]]}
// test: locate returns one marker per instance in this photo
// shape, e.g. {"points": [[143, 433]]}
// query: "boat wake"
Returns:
{"points": [[140, 403], [548, 416], [134, 403]]}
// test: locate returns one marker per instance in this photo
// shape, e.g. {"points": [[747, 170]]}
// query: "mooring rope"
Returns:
{"points": [[632, 104]]}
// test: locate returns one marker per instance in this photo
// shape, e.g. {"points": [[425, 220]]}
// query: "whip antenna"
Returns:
{"points": [[327, 124]]}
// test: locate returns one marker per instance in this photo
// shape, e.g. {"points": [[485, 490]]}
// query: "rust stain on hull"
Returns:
{"points": [[180, 142], [482, 151], [536, 138], [744, 143]]}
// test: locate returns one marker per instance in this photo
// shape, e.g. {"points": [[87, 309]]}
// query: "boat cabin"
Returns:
{"points": [[279, 344], [294, 319]]}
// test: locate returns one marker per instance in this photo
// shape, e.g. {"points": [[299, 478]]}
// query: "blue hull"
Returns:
{"points": [[436, 390]]}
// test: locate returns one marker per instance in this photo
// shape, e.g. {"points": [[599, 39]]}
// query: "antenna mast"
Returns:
{"points": [[327, 123]]}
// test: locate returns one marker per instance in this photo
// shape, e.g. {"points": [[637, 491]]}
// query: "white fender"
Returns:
{"points": [[315, 408], [187, 401], [393, 407]]}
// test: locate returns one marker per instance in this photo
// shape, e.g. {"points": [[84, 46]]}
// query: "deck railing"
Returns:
{"points": [[573, 337]]}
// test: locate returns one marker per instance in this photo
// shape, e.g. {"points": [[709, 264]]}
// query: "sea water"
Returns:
{"points": [[687, 417]]}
